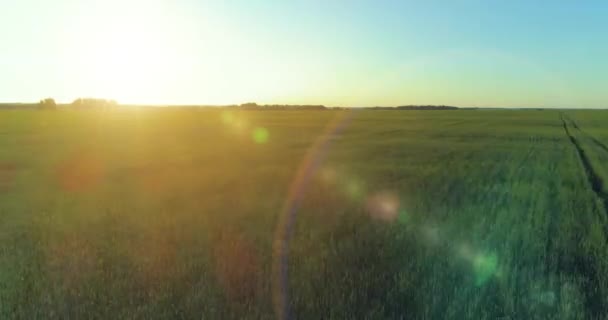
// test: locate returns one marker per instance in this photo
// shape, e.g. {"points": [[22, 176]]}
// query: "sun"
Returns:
{"points": [[154, 52], [132, 54]]}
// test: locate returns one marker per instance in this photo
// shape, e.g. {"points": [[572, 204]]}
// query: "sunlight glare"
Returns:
{"points": [[260, 135], [155, 52], [125, 51]]}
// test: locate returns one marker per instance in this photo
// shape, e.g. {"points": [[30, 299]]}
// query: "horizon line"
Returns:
{"points": [[202, 105]]}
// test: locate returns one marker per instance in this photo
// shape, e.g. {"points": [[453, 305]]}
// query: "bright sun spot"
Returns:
{"points": [[138, 51], [128, 51]]}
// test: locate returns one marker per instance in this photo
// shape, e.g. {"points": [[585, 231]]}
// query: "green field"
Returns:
{"points": [[179, 213]]}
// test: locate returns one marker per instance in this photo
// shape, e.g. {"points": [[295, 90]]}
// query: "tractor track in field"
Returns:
{"points": [[597, 142], [593, 300], [596, 182]]}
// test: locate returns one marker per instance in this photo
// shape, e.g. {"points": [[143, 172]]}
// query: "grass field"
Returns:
{"points": [[164, 213]]}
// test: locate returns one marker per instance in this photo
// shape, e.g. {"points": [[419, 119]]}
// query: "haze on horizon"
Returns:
{"points": [[364, 53]]}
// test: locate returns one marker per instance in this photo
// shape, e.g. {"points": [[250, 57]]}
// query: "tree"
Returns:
{"points": [[48, 103], [249, 105], [90, 103]]}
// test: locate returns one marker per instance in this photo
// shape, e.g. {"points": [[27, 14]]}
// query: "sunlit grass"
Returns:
{"points": [[173, 213]]}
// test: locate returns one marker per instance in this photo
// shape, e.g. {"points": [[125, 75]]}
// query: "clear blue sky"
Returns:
{"points": [[359, 53]]}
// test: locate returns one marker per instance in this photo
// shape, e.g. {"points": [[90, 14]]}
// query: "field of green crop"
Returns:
{"points": [[217, 214]]}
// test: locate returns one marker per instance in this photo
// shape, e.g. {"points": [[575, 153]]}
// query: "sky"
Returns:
{"points": [[336, 53]]}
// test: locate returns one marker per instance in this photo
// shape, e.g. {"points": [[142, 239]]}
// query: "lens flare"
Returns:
{"points": [[7, 175], [307, 169], [431, 235], [383, 206], [260, 135], [237, 265], [227, 117], [465, 251], [240, 124], [82, 171], [70, 259], [354, 189], [404, 217], [328, 175], [485, 266]]}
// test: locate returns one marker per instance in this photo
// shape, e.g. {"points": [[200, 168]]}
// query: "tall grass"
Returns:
{"points": [[169, 213]]}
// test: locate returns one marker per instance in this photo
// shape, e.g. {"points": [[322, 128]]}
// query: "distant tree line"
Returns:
{"points": [[92, 103], [48, 103], [429, 107], [82, 103], [415, 107], [255, 106]]}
